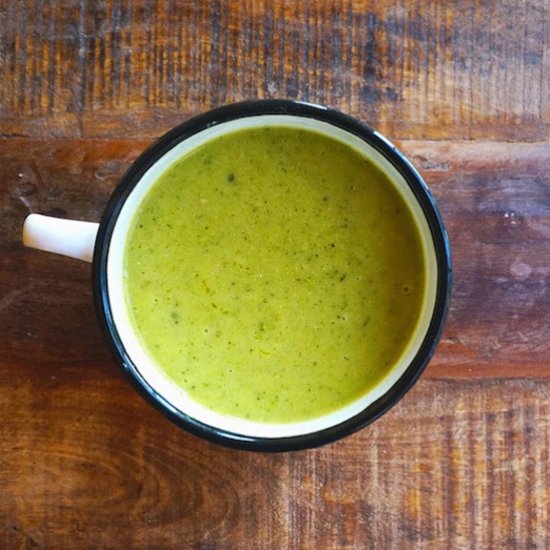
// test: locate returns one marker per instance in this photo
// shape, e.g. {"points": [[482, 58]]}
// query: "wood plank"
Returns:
{"points": [[495, 198], [84, 462], [455, 465], [430, 70]]}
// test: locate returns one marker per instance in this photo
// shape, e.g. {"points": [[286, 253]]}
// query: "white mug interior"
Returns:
{"points": [[154, 375]]}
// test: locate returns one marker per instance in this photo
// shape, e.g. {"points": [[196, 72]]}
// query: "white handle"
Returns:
{"points": [[67, 237]]}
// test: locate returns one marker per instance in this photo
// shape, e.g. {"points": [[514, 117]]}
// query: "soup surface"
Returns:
{"points": [[274, 274]]}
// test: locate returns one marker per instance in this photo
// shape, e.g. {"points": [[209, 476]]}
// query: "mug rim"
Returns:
{"points": [[194, 125]]}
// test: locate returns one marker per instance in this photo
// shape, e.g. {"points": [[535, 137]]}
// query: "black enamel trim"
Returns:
{"points": [[273, 107]]}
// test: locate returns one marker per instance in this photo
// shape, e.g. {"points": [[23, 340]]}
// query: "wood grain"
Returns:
{"points": [[96, 467], [462, 462], [494, 197], [435, 70], [469, 480]]}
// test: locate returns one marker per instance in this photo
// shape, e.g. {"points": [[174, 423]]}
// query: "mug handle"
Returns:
{"points": [[71, 238]]}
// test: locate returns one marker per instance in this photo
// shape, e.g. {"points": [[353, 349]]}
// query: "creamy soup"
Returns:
{"points": [[274, 274]]}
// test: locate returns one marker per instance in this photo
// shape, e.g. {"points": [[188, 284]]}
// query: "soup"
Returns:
{"points": [[274, 274]]}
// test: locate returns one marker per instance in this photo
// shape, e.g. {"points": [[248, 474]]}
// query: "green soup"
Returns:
{"points": [[274, 274]]}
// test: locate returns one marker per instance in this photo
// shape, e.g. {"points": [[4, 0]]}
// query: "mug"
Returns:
{"points": [[103, 245]]}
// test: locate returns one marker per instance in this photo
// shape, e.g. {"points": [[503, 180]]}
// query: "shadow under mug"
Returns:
{"points": [[104, 244]]}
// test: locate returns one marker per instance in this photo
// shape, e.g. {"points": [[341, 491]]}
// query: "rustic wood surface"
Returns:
{"points": [[463, 460]]}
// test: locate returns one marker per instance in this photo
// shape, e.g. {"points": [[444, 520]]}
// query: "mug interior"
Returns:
{"points": [[151, 375]]}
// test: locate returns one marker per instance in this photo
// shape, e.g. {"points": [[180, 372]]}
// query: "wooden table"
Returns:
{"points": [[463, 87]]}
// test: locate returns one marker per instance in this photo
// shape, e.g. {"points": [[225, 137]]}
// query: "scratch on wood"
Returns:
{"points": [[14, 295], [79, 98]]}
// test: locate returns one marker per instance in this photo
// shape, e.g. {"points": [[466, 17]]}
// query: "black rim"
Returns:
{"points": [[273, 107]]}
